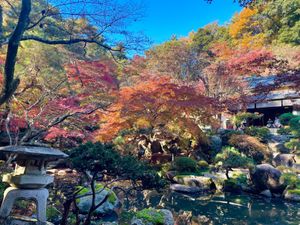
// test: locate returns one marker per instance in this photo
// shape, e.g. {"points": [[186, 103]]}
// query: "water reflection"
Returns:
{"points": [[224, 209]]}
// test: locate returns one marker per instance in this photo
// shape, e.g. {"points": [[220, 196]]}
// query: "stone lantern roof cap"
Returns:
{"points": [[46, 153]]}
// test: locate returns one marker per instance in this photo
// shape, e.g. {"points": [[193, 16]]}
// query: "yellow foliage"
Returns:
{"points": [[142, 123], [245, 29], [241, 21]]}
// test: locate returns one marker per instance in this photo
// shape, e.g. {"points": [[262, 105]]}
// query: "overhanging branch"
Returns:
{"points": [[67, 41]]}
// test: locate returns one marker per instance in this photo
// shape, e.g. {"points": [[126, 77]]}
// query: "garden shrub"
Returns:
{"points": [[215, 143], [293, 144], [53, 214], [126, 217], [285, 118], [185, 164], [242, 116], [251, 147], [295, 126], [284, 131], [203, 165], [291, 180], [164, 168], [103, 158], [226, 135], [284, 169], [230, 157], [262, 133]]}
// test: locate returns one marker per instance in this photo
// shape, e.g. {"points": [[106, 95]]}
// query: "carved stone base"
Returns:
{"points": [[39, 196], [22, 220]]}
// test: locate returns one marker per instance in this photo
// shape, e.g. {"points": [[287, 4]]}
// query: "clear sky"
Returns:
{"points": [[165, 18]]}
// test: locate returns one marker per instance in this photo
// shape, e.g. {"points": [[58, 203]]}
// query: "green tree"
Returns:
{"points": [[230, 158]]}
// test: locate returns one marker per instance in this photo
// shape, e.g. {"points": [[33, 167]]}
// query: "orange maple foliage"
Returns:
{"points": [[155, 101]]}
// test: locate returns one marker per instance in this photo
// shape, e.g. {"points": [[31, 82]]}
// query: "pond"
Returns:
{"points": [[228, 208]]}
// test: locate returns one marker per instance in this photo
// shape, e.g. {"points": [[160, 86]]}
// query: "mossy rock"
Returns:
{"points": [[292, 195], [152, 216], [107, 207], [204, 183]]}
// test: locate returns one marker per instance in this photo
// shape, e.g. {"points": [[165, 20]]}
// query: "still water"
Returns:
{"points": [[228, 208]]}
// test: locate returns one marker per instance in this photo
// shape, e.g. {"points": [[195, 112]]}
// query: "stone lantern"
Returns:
{"points": [[29, 179]]}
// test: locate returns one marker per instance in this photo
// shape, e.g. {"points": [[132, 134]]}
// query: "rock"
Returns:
{"points": [[265, 176], [203, 220], [292, 195], [68, 170], [203, 183], [284, 160], [267, 193], [61, 173], [136, 221], [168, 217], [152, 217], [170, 175], [52, 171], [108, 207], [278, 147], [185, 188], [296, 166], [22, 220]]}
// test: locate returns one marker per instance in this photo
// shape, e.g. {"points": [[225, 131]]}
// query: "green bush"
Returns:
{"points": [[262, 133], [251, 147], [245, 116], [230, 157], [53, 214], [293, 144], [284, 131], [215, 143], [185, 164], [285, 118], [291, 180], [295, 126]]}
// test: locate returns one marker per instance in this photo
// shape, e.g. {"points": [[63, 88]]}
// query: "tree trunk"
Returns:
{"points": [[10, 83], [227, 173], [1, 25], [67, 207]]}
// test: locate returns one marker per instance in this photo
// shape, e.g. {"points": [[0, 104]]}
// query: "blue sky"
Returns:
{"points": [[165, 18]]}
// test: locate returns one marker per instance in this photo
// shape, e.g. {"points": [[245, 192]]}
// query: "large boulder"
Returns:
{"points": [[185, 189], [278, 147], [287, 160], [112, 202], [152, 217], [292, 195], [266, 177], [201, 182]]}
